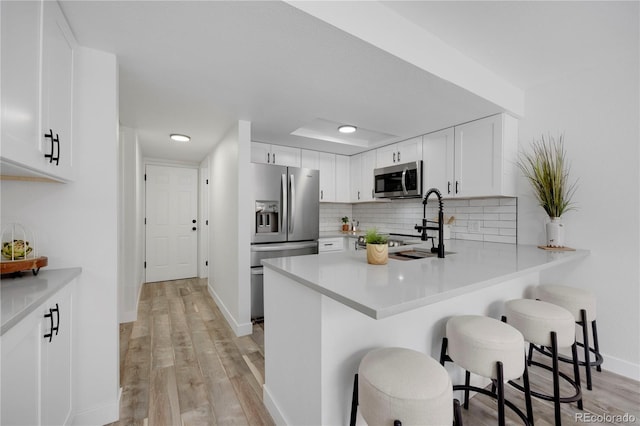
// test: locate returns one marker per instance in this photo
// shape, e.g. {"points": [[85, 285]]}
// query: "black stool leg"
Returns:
{"points": [[500, 386], [585, 340], [527, 392], [467, 381], [576, 370], [556, 377], [457, 413], [594, 328], [530, 354], [354, 401], [443, 350]]}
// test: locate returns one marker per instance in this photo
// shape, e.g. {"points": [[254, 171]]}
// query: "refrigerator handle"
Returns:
{"points": [[283, 201], [293, 204]]}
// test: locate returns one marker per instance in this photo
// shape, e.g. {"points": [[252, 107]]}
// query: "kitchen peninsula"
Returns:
{"points": [[324, 312]]}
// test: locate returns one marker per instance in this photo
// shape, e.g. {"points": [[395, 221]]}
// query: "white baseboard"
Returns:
{"points": [[621, 367], [272, 407], [239, 329], [102, 415]]}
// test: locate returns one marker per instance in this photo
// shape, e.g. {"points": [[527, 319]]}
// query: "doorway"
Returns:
{"points": [[171, 235]]}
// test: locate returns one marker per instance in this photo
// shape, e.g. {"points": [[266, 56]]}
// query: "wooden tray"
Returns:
{"points": [[11, 266], [556, 248]]}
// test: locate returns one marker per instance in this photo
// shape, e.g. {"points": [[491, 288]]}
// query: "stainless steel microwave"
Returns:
{"points": [[398, 181]]}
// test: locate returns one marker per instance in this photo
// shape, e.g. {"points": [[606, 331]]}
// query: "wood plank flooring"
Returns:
{"points": [[182, 365]]}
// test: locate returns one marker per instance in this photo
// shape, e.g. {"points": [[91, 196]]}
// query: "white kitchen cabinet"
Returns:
{"points": [[478, 160], [37, 90], [309, 159], [399, 153], [36, 368], [327, 245], [342, 179], [275, 154], [361, 173], [327, 167]]}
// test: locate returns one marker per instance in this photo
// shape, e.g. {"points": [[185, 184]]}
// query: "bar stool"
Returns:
{"points": [[542, 323], [491, 349], [582, 304], [396, 386]]}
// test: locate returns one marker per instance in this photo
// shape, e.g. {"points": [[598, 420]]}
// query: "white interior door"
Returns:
{"points": [[171, 223]]}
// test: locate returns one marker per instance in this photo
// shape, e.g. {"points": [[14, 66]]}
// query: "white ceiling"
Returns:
{"points": [[196, 67]]}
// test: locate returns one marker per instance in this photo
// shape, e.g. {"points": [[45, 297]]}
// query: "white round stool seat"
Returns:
{"points": [[571, 298], [537, 319], [476, 343], [406, 385]]}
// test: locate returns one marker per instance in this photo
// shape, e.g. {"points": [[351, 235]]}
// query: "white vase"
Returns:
{"points": [[555, 233]]}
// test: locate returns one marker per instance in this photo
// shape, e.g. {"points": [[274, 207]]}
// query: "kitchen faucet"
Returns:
{"points": [[440, 228]]}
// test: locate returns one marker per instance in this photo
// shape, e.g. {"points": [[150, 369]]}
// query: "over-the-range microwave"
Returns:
{"points": [[398, 181]]}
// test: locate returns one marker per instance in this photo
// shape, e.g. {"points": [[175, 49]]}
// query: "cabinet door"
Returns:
{"points": [[309, 159], [285, 156], [327, 163], [342, 179], [355, 177], [409, 150], [21, 372], [56, 360], [478, 157], [57, 91], [366, 177], [437, 164], [20, 74], [386, 156], [260, 153]]}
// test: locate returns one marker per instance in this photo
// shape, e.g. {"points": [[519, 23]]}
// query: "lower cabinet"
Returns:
{"points": [[330, 244], [36, 365]]}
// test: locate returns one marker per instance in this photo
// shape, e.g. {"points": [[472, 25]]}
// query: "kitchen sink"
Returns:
{"points": [[415, 254]]}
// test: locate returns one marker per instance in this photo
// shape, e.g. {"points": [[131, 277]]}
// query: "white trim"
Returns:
{"points": [[272, 407], [244, 329], [130, 316], [99, 415], [619, 366], [167, 162]]}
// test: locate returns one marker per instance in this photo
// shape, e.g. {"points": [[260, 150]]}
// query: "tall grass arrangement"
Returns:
{"points": [[547, 169]]}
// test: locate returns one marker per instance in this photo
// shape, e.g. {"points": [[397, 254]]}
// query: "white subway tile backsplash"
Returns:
{"points": [[485, 202], [508, 201], [500, 239]]}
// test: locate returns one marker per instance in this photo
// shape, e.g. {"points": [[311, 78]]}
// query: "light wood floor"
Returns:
{"points": [[182, 365]]}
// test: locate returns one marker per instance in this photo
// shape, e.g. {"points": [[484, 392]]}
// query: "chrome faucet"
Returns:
{"points": [[440, 228]]}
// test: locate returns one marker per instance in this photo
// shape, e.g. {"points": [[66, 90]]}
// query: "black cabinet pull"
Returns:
{"points": [[55, 147], [50, 316], [321, 194], [448, 187], [398, 156], [193, 229], [193, 221], [394, 157], [268, 157], [457, 183]]}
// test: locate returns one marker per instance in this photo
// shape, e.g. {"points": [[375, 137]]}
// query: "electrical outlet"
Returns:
{"points": [[474, 226]]}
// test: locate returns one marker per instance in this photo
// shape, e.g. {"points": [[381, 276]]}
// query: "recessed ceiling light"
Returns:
{"points": [[347, 129], [180, 138]]}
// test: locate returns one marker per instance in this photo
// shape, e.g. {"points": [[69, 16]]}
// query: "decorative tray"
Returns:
{"points": [[556, 248], [13, 266]]}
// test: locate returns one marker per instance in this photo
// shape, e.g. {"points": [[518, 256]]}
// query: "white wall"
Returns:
{"points": [[229, 233], [77, 226], [598, 112], [131, 232]]}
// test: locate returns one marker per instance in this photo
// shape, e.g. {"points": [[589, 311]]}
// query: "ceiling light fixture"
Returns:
{"points": [[179, 138], [347, 129]]}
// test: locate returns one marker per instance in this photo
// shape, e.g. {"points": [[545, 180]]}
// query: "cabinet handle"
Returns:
{"points": [[50, 316], [457, 184], [57, 142], [328, 244], [358, 195], [449, 187], [193, 229], [321, 194], [398, 156], [394, 157], [274, 158], [268, 157], [50, 137]]}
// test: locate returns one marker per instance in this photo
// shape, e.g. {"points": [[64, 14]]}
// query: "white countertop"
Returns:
{"points": [[20, 296], [381, 291]]}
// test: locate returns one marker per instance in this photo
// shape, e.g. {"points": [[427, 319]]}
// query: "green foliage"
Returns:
{"points": [[372, 237], [345, 219], [547, 169]]}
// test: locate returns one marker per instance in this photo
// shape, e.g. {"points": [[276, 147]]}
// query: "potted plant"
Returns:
{"points": [[377, 248], [547, 169], [345, 223]]}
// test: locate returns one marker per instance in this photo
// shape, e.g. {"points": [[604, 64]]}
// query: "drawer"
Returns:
{"points": [[330, 244]]}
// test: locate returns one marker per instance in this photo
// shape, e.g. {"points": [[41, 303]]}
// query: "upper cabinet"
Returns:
{"points": [[275, 154], [309, 159], [361, 173], [402, 152], [37, 90], [476, 159], [343, 179], [327, 167]]}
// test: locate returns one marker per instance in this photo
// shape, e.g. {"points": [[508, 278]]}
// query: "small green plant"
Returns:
{"points": [[345, 220], [547, 169], [372, 237]]}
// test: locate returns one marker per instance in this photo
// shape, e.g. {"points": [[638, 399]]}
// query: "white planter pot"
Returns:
{"points": [[555, 233]]}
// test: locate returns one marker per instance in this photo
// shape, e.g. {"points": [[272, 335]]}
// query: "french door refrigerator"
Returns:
{"points": [[285, 220]]}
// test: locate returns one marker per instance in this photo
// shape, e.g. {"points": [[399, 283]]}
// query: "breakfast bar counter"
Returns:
{"points": [[324, 312]]}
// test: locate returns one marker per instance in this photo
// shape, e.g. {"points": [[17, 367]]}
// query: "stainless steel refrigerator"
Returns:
{"points": [[285, 220]]}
